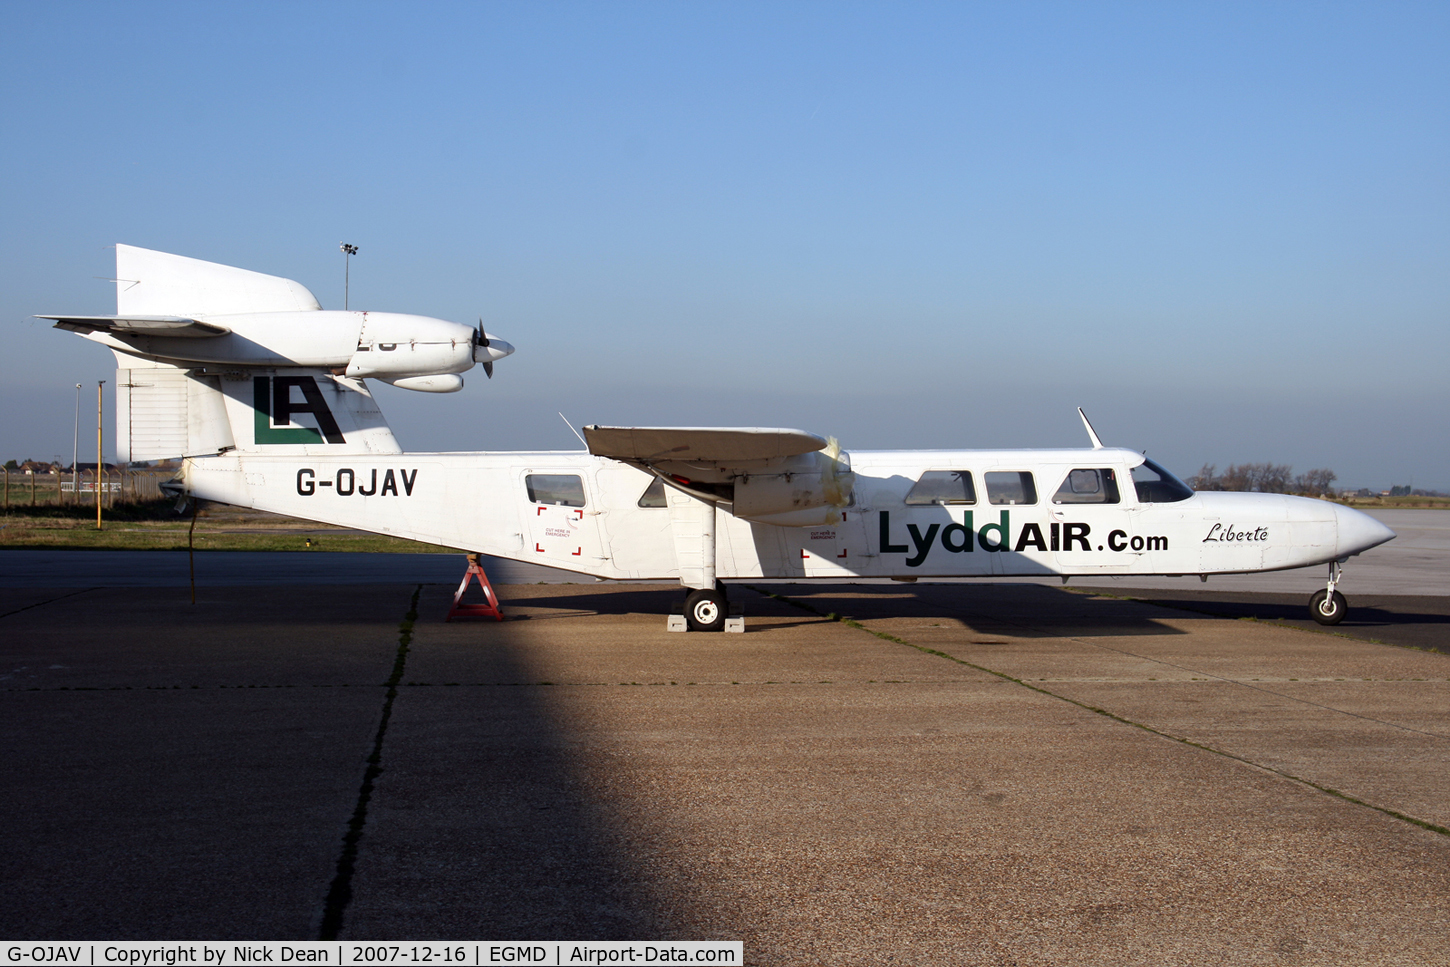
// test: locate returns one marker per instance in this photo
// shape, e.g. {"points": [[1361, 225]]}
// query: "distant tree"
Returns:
{"points": [[1400, 491], [1237, 477], [1264, 478], [12, 464], [1315, 483], [1274, 478], [1205, 479]]}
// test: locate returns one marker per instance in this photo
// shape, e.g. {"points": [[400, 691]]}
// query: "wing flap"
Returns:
{"points": [[720, 445], [139, 325]]}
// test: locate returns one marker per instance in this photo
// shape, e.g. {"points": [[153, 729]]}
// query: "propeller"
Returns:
{"points": [[480, 340]]}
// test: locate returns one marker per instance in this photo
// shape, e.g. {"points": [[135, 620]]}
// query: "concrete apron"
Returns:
{"points": [[829, 795], [965, 775]]}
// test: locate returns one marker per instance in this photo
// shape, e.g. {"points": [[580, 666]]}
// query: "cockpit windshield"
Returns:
{"points": [[1157, 486]]}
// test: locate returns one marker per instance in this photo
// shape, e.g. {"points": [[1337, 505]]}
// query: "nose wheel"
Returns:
{"points": [[1327, 606]]}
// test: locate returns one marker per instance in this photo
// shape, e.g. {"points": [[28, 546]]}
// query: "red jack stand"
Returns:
{"points": [[489, 610]]}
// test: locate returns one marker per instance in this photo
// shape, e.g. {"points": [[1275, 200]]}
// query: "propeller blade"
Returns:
{"points": [[488, 370], [482, 336]]}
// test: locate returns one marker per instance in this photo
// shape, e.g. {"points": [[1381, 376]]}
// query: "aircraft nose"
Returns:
{"points": [[1359, 531]]}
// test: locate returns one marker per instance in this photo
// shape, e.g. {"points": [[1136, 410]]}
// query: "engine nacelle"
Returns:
{"points": [[446, 383], [800, 491]]}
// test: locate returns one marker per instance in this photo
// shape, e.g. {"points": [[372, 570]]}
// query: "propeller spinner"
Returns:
{"points": [[487, 349]]}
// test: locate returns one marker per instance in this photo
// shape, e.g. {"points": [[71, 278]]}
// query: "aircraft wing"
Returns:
{"points": [[718, 445], [138, 325]]}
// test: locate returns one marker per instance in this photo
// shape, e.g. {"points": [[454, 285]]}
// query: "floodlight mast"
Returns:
{"points": [[348, 251], [100, 385], [75, 452]]}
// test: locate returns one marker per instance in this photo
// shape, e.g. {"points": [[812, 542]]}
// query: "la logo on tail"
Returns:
{"points": [[273, 404]]}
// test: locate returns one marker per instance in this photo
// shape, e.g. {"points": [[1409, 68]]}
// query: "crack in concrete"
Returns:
{"points": [[339, 895]]}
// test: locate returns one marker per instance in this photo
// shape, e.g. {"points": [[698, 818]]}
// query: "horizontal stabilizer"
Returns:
{"points": [[138, 325], [689, 443]]}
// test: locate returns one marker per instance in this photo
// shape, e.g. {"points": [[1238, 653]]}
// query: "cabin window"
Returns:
{"points": [[1157, 486], [943, 487], [562, 489], [1010, 487], [1090, 486], [654, 494]]}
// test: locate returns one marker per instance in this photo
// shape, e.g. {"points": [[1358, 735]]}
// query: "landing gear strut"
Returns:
{"points": [[1328, 606]]}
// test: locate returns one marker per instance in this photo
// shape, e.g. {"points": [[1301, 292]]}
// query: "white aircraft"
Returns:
{"points": [[264, 395]]}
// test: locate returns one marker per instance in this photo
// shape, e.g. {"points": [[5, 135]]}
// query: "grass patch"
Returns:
{"points": [[155, 526]]}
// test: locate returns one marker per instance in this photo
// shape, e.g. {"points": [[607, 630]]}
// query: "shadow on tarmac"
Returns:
{"points": [[486, 820], [140, 808], [1023, 610], [1411, 621]]}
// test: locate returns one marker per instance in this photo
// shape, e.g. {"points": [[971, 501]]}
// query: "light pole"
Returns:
{"points": [[348, 251], [75, 452], [100, 384]]}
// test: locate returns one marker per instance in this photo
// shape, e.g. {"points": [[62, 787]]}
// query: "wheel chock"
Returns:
{"points": [[676, 622], [488, 610]]}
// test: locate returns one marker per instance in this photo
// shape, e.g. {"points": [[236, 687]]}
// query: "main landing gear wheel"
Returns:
{"points": [[1326, 608], [705, 609]]}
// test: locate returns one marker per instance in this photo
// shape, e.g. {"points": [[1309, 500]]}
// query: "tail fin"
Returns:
{"points": [[165, 411], [159, 283]]}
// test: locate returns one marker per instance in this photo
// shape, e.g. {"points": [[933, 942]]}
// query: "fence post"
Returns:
{"points": [[32, 488]]}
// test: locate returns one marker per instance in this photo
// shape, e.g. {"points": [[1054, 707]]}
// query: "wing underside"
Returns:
{"points": [[139, 326], [689, 444]]}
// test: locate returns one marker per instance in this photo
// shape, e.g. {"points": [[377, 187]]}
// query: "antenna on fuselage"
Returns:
{"points": [[1092, 434], [572, 430]]}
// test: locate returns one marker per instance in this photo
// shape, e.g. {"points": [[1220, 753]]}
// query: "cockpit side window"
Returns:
{"points": [[1094, 485], [561, 489], [1010, 487], [943, 487], [1157, 486]]}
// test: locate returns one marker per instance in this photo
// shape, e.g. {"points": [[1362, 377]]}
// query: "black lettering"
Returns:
{"points": [[350, 482], [369, 493], [963, 530], [283, 407], [923, 544], [1137, 542], [408, 484], [1212, 534], [1031, 535], [1117, 540], [1075, 532], [1056, 537], [389, 484], [1157, 543], [306, 488], [1003, 529], [886, 546]]}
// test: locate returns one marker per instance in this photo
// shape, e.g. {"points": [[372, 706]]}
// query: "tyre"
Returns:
{"points": [[1327, 610], [705, 609]]}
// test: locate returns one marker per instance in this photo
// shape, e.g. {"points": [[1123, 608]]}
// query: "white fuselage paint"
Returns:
{"points": [[480, 502]]}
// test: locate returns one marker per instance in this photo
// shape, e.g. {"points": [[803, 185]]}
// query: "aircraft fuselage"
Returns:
{"points": [[1019, 515]]}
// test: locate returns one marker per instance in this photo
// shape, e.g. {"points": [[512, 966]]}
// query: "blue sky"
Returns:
{"points": [[1221, 228]]}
